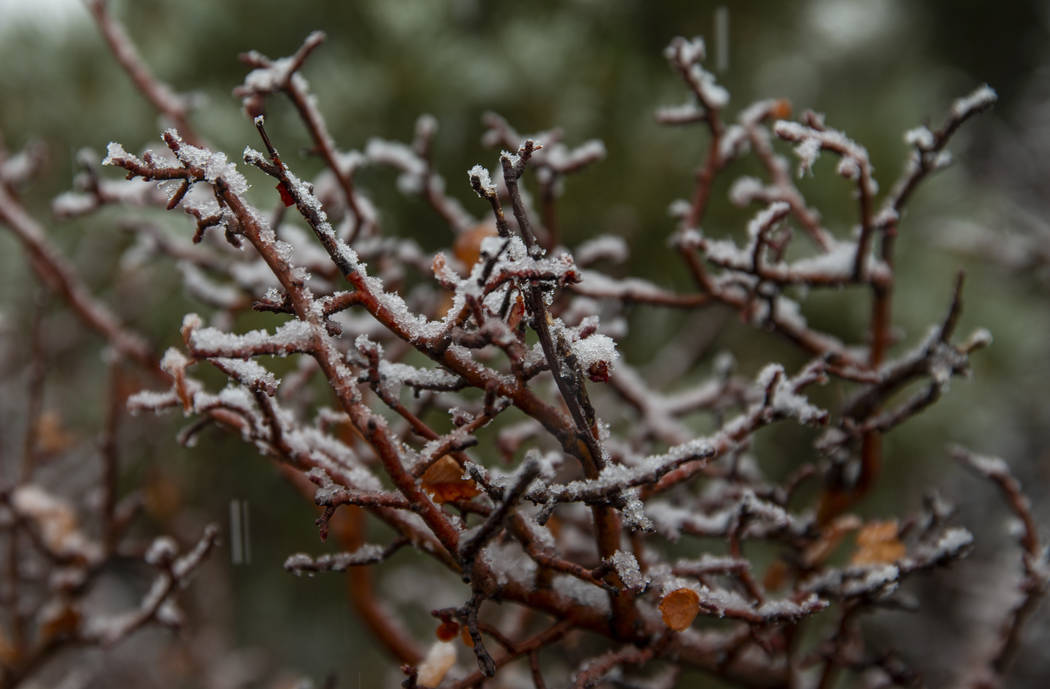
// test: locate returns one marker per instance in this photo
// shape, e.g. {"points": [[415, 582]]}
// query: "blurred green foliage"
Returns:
{"points": [[596, 70]]}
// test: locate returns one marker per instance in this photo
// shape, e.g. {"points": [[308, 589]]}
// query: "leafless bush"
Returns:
{"points": [[556, 521]]}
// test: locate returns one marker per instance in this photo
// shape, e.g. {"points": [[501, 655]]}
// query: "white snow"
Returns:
{"points": [[603, 247], [161, 551], [249, 372], [173, 361], [401, 157], [954, 540], [149, 400], [981, 98], [673, 114], [440, 658], [733, 143], [785, 400], [69, 204], [55, 520], [581, 591], [481, 173], [596, 348], [982, 337], [670, 520], [990, 466], [213, 165], [848, 168], [686, 50], [334, 562], [711, 93], [745, 189], [920, 137], [679, 208], [788, 609], [767, 217], [562, 158], [627, 569], [881, 579], [115, 152], [291, 336], [810, 142], [807, 151], [269, 79], [202, 287], [509, 563]]}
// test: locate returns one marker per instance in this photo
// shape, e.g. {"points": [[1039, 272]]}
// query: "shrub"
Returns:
{"points": [[476, 403]]}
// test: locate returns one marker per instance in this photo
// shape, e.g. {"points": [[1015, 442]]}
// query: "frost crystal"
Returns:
{"points": [[767, 217], [626, 567], [980, 99], [213, 165], [745, 190], [920, 137], [199, 285], [607, 247], [115, 152], [882, 579], [848, 168], [581, 591], [690, 51], [807, 151], [249, 372], [481, 174], [161, 551], [595, 349]]}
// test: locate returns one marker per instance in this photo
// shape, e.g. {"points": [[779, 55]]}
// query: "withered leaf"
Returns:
{"points": [[444, 482], [679, 608], [877, 544]]}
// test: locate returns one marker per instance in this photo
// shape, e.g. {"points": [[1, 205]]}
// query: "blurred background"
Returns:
{"points": [[596, 70]]}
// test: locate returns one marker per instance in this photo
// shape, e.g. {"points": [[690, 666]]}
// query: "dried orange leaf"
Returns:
{"points": [[830, 537], [877, 544], [679, 608], [8, 653], [776, 576], [517, 312], [445, 483], [50, 435], [57, 619], [781, 109], [467, 247], [162, 495], [53, 516], [447, 630]]}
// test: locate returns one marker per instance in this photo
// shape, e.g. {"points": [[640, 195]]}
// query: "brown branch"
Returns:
{"points": [[296, 90], [1034, 559], [551, 635], [61, 278], [593, 670], [159, 94]]}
